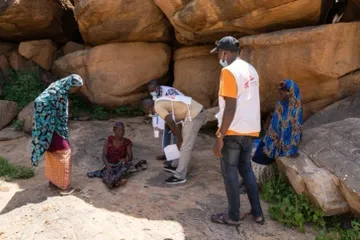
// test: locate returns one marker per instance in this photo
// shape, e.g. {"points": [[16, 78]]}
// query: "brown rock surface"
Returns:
{"points": [[18, 62], [318, 184], [30, 19], [204, 21], [8, 134], [26, 115], [40, 51], [4, 64], [8, 112], [341, 110], [334, 150], [72, 47], [115, 74], [7, 48], [145, 208], [315, 57], [196, 74], [102, 22]]}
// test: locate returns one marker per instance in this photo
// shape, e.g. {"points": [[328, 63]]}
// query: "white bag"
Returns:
{"points": [[172, 152], [158, 122]]}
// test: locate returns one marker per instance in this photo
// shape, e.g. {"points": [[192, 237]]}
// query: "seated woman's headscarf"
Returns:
{"points": [[285, 130], [51, 114]]}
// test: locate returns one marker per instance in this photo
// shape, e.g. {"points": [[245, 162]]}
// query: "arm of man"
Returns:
{"points": [[229, 91], [165, 113], [175, 129]]}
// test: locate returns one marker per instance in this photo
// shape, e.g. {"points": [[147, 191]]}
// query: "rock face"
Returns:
{"points": [[316, 58], [18, 62], [72, 47], [4, 64], [8, 112], [317, 183], [196, 74], [8, 134], [30, 19], [41, 51], [346, 108], [330, 171], [26, 115], [102, 22], [116, 74], [204, 21], [7, 48]]}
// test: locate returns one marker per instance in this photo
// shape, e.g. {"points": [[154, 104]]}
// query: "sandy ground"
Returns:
{"points": [[143, 209]]}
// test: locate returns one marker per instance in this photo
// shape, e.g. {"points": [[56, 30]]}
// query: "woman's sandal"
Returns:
{"points": [[69, 191], [221, 219], [142, 165], [256, 219]]}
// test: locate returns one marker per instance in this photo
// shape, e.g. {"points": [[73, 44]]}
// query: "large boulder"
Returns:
{"points": [[71, 47], [40, 51], [346, 108], [8, 112], [19, 63], [26, 116], [31, 19], [329, 173], [315, 57], [115, 74], [196, 74], [204, 21], [102, 22], [7, 48], [4, 64]]}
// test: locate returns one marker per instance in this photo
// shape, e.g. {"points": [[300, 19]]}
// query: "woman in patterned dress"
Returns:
{"points": [[285, 131], [117, 157], [50, 132]]}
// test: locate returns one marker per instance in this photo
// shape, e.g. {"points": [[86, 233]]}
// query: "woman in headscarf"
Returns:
{"points": [[285, 131], [50, 132], [117, 157]]}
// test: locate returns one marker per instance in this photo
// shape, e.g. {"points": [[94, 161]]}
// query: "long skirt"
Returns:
{"points": [[58, 167]]}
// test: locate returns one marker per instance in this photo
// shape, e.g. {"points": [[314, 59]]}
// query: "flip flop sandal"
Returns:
{"points": [[220, 219], [69, 191], [142, 165], [261, 222]]}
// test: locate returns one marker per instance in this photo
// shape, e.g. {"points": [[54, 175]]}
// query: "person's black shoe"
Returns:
{"points": [[169, 168], [174, 180]]}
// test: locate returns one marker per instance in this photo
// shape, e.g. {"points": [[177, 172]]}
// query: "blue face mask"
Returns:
{"points": [[223, 63], [153, 94]]}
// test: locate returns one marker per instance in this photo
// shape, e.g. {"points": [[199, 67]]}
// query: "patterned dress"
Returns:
{"points": [[285, 131], [51, 117]]}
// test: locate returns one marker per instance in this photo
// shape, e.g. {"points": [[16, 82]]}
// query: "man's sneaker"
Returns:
{"points": [[174, 180], [169, 168]]}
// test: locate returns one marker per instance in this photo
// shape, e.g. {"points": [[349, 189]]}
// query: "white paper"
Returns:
{"points": [[172, 152], [158, 122]]}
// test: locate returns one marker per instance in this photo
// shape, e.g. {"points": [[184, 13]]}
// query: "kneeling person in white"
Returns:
{"points": [[175, 110]]}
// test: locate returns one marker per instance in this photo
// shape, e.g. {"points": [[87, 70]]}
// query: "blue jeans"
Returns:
{"points": [[167, 134], [236, 159]]}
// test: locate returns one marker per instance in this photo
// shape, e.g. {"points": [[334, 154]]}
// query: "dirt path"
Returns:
{"points": [[144, 209]]}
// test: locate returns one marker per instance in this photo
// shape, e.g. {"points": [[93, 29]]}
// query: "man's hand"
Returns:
{"points": [[179, 143], [218, 147]]}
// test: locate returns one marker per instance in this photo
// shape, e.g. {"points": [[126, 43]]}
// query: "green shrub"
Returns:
{"points": [[287, 207], [22, 87], [19, 125], [10, 172]]}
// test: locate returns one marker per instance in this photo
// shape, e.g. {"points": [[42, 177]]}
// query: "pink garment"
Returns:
{"points": [[58, 143]]}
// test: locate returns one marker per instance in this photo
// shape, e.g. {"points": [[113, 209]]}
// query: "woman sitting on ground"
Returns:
{"points": [[285, 131], [117, 156]]}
